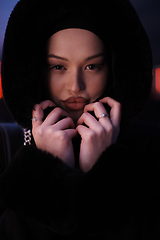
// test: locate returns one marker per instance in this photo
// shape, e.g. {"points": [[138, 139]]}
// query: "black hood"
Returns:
{"points": [[32, 22]]}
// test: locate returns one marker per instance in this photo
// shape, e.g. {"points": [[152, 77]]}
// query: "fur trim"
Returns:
{"points": [[34, 193], [28, 29]]}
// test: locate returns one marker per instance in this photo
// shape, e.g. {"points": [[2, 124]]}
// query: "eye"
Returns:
{"points": [[92, 67], [57, 67]]}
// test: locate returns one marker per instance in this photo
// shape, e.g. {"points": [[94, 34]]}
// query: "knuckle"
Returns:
{"points": [[58, 110], [101, 131], [90, 135], [39, 132], [85, 108], [42, 133], [69, 120], [97, 104], [60, 134], [110, 129], [49, 132], [85, 115], [118, 105]]}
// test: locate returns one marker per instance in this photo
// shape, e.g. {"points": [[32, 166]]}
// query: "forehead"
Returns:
{"points": [[74, 42]]}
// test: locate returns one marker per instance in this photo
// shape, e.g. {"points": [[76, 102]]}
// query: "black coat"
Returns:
{"points": [[44, 198], [117, 199]]}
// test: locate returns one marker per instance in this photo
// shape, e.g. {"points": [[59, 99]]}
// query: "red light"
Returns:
{"points": [[1, 94], [157, 79]]}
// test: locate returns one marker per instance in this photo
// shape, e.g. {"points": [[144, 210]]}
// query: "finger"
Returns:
{"points": [[65, 124], [115, 113], [88, 119], [38, 112], [110, 101], [54, 116], [97, 107], [82, 130], [71, 133]]}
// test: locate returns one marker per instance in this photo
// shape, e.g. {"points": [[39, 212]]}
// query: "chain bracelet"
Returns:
{"points": [[27, 137]]}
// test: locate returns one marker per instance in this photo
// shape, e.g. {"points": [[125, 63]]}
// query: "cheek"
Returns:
{"points": [[98, 85], [55, 86]]}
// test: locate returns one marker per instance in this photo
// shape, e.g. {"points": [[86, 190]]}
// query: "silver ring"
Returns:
{"points": [[34, 119], [103, 115]]}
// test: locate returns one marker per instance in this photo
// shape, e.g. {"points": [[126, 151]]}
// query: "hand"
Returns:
{"points": [[99, 134], [52, 136]]}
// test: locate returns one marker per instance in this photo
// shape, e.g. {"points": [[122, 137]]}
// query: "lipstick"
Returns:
{"points": [[75, 103]]}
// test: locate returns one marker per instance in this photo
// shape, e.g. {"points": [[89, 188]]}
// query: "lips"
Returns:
{"points": [[76, 103]]}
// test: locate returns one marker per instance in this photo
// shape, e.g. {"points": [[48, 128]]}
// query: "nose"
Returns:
{"points": [[75, 81]]}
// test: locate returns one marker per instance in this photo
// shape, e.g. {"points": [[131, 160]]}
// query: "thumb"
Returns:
{"points": [[71, 133]]}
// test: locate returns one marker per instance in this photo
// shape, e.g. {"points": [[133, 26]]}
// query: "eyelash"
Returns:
{"points": [[91, 67], [57, 67]]}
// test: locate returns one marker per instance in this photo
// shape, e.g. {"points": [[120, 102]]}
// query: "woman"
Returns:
{"points": [[92, 67], [78, 73]]}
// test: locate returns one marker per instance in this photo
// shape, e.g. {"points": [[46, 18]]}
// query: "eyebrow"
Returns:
{"points": [[95, 56], [65, 59], [57, 57]]}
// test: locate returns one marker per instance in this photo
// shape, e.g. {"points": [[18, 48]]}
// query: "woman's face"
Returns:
{"points": [[77, 69]]}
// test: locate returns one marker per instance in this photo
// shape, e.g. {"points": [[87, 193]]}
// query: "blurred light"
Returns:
{"points": [[155, 94], [157, 79]]}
